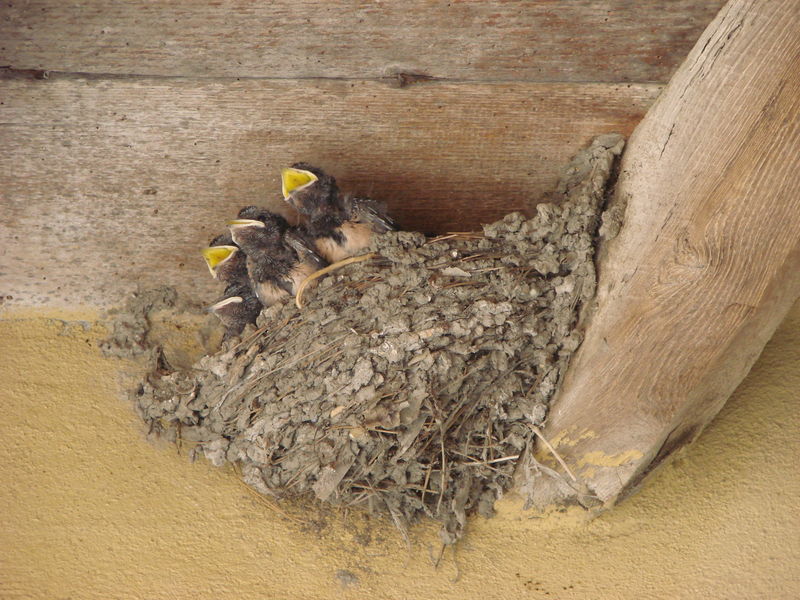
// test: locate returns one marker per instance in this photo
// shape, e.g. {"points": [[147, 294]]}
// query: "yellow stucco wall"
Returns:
{"points": [[89, 509]]}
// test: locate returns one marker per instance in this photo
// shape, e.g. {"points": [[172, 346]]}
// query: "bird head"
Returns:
{"points": [[226, 306], [223, 239], [308, 189], [295, 180], [246, 232], [250, 233], [256, 213], [217, 256]]}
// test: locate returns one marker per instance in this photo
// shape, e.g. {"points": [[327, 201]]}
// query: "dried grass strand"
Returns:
{"points": [[298, 297], [553, 451]]}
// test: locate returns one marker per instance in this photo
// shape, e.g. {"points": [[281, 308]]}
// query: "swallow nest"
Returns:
{"points": [[409, 383]]}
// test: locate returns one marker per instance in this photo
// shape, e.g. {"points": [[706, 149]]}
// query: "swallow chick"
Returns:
{"points": [[228, 264], [273, 265], [309, 189], [340, 227], [243, 312], [225, 262], [297, 238], [239, 308], [229, 311]]}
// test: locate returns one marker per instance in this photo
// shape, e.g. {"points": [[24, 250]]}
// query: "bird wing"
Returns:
{"points": [[373, 212], [305, 249]]}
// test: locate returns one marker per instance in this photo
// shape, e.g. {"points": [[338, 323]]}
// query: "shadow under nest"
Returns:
{"points": [[412, 383]]}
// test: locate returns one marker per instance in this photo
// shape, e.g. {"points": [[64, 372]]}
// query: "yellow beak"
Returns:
{"points": [[216, 255], [294, 179], [245, 222]]}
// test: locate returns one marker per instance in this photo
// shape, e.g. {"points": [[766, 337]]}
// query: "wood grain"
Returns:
{"points": [[106, 183], [537, 41], [708, 262]]}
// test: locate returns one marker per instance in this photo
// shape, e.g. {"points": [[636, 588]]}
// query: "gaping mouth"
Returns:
{"points": [[216, 255], [293, 180]]}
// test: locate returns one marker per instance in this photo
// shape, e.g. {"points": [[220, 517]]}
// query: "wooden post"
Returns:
{"points": [[706, 265]]}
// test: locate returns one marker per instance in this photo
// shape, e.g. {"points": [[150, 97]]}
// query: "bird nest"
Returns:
{"points": [[411, 382]]}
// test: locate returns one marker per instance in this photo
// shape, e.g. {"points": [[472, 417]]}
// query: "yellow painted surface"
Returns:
{"points": [[601, 459], [571, 437], [89, 509]]}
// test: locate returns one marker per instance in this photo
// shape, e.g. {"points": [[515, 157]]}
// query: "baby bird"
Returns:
{"points": [[229, 311], [297, 237], [225, 261], [236, 311], [239, 305], [309, 189], [340, 226], [274, 266]]}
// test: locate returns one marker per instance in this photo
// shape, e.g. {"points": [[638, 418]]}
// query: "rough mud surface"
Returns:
{"points": [[408, 383]]}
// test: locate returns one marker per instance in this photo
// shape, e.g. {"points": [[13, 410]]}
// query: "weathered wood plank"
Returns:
{"points": [[708, 261], [540, 40], [99, 178]]}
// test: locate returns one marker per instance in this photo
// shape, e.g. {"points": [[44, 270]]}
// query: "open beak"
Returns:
{"points": [[293, 180], [216, 255]]}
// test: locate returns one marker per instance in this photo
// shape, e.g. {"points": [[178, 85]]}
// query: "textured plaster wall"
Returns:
{"points": [[89, 509]]}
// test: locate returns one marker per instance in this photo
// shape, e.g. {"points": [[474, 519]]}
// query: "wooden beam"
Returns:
{"points": [[99, 177], [519, 40], [707, 263]]}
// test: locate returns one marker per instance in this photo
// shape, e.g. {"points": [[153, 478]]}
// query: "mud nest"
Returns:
{"points": [[410, 383]]}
